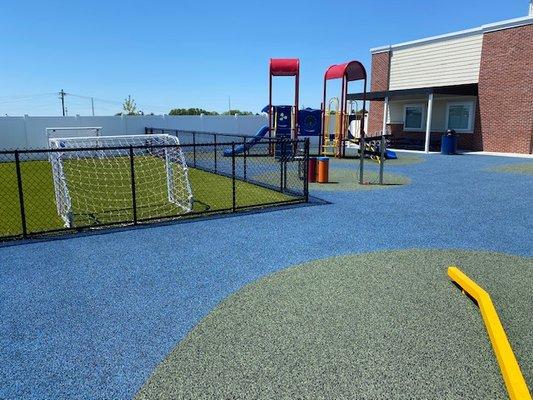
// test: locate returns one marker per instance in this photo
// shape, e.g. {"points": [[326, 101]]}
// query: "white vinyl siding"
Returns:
{"points": [[453, 61]]}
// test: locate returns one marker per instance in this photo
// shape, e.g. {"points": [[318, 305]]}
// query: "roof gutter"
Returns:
{"points": [[496, 26]]}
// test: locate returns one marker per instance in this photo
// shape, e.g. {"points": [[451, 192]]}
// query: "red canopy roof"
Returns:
{"points": [[353, 70], [284, 66]]}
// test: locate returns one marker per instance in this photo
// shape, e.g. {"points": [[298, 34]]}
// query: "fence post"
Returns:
{"points": [[21, 195], [194, 149], [133, 192], [381, 158], [215, 146], [234, 194], [282, 146], [245, 150], [361, 159], [306, 170], [285, 161]]}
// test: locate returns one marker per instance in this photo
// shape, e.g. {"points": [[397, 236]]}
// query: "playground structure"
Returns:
{"points": [[333, 141], [337, 124], [283, 119], [348, 127], [373, 146]]}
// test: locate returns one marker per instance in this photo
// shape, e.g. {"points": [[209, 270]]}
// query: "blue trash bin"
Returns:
{"points": [[449, 143]]}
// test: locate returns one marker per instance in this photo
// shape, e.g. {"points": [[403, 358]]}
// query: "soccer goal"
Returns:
{"points": [[109, 179]]}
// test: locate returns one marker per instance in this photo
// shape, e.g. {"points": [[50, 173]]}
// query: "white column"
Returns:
{"points": [[428, 122], [385, 112]]}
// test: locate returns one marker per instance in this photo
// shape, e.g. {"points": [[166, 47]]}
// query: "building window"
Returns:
{"points": [[413, 117], [460, 116]]}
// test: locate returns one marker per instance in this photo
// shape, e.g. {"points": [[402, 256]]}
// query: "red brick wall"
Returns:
{"points": [[472, 141], [506, 90], [379, 81]]}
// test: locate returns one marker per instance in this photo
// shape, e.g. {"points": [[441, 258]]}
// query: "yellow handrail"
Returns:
{"points": [[512, 376]]}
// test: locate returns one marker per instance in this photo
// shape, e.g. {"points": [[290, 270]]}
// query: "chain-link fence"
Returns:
{"points": [[51, 191], [196, 137]]}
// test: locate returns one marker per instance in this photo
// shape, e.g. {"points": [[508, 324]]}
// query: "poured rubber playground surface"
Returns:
{"points": [[348, 299]]}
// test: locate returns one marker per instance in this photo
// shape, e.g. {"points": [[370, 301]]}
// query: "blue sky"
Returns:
{"points": [[197, 53]]}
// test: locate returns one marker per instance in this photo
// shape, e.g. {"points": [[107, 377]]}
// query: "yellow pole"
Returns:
{"points": [[325, 128], [334, 101]]}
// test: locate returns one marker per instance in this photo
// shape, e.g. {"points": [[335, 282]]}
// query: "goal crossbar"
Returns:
{"points": [[94, 130]]}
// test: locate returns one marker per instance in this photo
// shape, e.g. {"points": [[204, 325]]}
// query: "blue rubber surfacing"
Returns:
{"points": [[91, 316]]}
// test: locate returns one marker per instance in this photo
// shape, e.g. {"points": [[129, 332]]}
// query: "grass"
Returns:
{"points": [[102, 193], [524, 169], [405, 159], [402, 160], [377, 325], [344, 179]]}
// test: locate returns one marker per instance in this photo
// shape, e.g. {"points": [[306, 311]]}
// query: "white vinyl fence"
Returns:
{"points": [[30, 132]]}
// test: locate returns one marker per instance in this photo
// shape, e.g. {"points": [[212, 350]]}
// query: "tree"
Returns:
{"points": [[191, 111], [129, 107], [237, 112], [199, 111]]}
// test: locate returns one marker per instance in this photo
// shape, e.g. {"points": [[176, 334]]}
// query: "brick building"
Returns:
{"points": [[478, 82]]}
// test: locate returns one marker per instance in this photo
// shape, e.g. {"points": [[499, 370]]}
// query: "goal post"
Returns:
{"points": [[170, 176], [93, 178]]}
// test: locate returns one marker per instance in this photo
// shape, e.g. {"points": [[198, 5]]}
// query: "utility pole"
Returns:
{"points": [[229, 105], [92, 104], [62, 97]]}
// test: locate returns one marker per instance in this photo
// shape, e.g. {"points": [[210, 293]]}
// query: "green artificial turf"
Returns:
{"points": [[525, 168], [346, 179], [102, 193], [403, 159], [380, 325]]}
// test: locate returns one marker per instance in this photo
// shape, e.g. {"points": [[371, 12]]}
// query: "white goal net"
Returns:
{"points": [[111, 179]]}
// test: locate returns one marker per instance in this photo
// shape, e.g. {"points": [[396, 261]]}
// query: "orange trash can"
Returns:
{"points": [[323, 170]]}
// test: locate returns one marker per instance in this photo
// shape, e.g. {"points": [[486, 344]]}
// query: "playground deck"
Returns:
{"points": [[93, 316]]}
